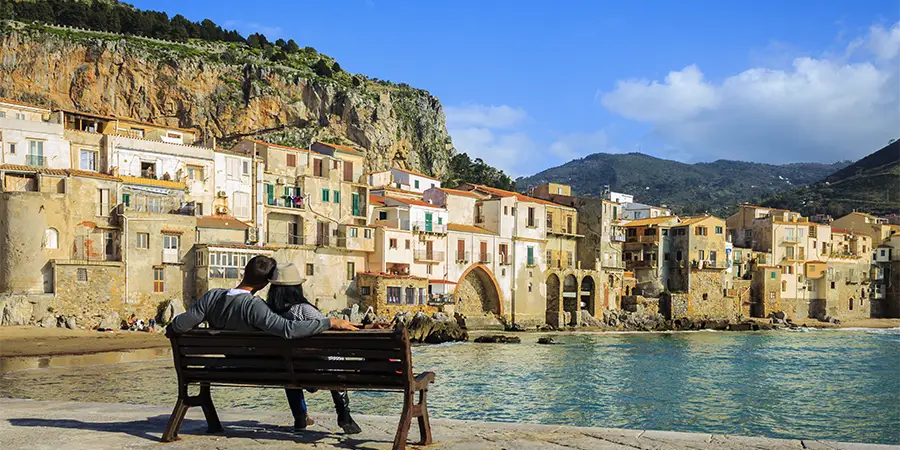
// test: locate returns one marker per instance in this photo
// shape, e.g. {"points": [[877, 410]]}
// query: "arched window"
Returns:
{"points": [[51, 238]]}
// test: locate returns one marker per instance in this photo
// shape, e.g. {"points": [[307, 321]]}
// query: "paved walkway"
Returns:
{"points": [[54, 425]]}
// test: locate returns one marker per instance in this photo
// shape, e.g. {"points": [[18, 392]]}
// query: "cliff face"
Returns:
{"points": [[225, 91]]}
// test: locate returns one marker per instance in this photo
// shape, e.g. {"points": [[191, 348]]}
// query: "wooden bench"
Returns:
{"points": [[370, 360]]}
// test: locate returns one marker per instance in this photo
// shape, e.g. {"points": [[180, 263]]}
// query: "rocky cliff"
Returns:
{"points": [[224, 90]]}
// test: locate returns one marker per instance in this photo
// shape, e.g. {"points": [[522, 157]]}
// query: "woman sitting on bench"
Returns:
{"points": [[286, 298]]}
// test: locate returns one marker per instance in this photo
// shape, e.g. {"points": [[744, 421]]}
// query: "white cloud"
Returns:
{"points": [[491, 133], [821, 109], [578, 145], [503, 116]]}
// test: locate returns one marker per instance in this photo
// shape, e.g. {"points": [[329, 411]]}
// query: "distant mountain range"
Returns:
{"points": [[716, 187], [871, 184]]}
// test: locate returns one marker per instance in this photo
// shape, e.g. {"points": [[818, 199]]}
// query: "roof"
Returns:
{"points": [[459, 192], [284, 147], [89, 174], [169, 231], [843, 231], [441, 282], [467, 228], [18, 103], [520, 197], [21, 168], [416, 173], [339, 147], [650, 221], [231, 152], [376, 200], [411, 202], [224, 222], [692, 220], [129, 119]]}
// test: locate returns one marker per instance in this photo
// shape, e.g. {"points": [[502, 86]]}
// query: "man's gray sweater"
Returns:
{"points": [[243, 312]]}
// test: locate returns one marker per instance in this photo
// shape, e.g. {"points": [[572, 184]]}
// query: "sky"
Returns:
{"points": [[531, 85]]}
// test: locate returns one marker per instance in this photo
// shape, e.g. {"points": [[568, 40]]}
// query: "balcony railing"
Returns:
{"points": [[35, 161], [429, 227], [484, 258], [462, 256], [425, 255], [170, 255], [618, 238], [503, 260], [641, 263]]}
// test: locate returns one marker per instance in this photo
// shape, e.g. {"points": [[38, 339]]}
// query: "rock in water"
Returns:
{"points": [[498, 339], [422, 328], [546, 341], [587, 320]]}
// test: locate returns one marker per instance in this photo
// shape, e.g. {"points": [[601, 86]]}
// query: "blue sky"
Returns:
{"points": [[531, 85]]}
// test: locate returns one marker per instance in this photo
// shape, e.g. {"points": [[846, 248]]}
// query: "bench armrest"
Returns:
{"points": [[422, 380]]}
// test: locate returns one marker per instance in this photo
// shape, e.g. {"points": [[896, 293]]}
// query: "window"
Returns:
{"points": [[148, 169], [12, 148], [549, 220], [159, 280], [393, 294], [351, 270], [529, 286], [530, 222], [407, 244], [678, 255], [530, 260], [88, 160], [367, 233], [700, 255], [195, 173], [440, 220], [337, 196], [428, 269], [719, 230], [354, 232], [506, 210], [700, 231], [392, 243], [365, 290], [382, 215], [154, 204], [432, 185], [291, 160], [143, 240], [504, 252], [51, 238], [35, 154], [326, 194], [416, 183], [103, 207], [748, 234], [310, 270], [549, 256], [82, 275], [423, 298], [772, 275], [245, 167], [241, 204], [712, 255], [789, 252], [784, 286]]}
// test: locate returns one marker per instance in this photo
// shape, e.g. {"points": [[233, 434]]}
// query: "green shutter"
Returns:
{"points": [[354, 202], [530, 256], [417, 184], [270, 194], [337, 196], [126, 198], [325, 194]]}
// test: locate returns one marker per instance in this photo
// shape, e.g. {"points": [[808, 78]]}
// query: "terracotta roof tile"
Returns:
{"points": [[650, 221], [285, 147], [89, 174], [441, 282], [467, 228], [459, 192], [693, 220], [520, 197], [21, 168], [376, 200], [224, 222], [339, 147]]}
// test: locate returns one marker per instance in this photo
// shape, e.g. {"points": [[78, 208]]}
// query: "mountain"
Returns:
{"points": [[871, 184], [715, 187], [227, 88]]}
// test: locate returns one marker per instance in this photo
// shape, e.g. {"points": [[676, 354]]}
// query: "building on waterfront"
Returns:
{"points": [[885, 295], [877, 228]]}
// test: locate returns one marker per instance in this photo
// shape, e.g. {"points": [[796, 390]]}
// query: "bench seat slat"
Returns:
{"points": [[250, 363], [232, 351], [347, 353], [308, 365], [310, 342], [285, 378]]}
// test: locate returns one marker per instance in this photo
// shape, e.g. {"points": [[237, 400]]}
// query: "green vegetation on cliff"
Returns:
{"points": [[716, 187]]}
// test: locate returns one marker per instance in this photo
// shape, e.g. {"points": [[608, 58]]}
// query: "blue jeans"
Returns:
{"points": [[298, 404]]}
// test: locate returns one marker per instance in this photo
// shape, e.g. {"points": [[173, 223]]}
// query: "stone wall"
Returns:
{"points": [[707, 296], [377, 285], [96, 298], [641, 304]]}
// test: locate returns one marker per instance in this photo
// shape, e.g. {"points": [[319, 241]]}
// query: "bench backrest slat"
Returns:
{"points": [[371, 360]]}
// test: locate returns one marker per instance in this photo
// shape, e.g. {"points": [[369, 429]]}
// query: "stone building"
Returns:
{"points": [[876, 228], [646, 243], [32, 136], [886, 279]]}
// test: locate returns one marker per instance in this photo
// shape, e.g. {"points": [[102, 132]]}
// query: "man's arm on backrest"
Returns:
{"points": [[263, 319], [194, 315]]}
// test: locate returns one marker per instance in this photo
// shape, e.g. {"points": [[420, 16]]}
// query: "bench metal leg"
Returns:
{"points": [[171, 433], [209, 410], [405, 422], [424, 424]]}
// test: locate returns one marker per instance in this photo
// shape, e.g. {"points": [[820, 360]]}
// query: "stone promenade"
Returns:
{"points": [[69, 425]]}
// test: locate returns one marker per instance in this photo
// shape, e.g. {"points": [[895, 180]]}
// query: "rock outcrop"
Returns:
{"points": [[434, 329], [224, 91]]}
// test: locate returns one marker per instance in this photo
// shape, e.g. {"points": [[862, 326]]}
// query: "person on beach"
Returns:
{"points": [[286, 298]]}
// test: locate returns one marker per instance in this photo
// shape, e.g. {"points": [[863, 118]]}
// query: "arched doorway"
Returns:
{"points": [[552, 313], [477, 292], [570, 299], [587, 295]]}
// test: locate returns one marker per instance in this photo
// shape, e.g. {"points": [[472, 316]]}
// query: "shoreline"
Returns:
{"points": [[77, 425], [37, 342]]}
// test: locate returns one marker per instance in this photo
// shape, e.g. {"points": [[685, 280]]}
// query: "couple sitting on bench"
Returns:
{"points": [[286, 313]]}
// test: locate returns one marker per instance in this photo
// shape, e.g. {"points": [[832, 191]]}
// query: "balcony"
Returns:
{"points": [[561, 231], [425, 255], [503, 260], [707, 264], [428, 227], [790, 240], [644, 263], [35, 161], [618, 238], [170, 256], [484, 258], [462, 257]]}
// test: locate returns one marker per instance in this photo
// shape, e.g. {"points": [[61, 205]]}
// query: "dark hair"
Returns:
{"points": [[281, 297], [258, 271]]}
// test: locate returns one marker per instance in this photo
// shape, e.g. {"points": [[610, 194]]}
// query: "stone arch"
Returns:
{"points": [[553, 306], [587, 295], [478, 291], [570, 298]]}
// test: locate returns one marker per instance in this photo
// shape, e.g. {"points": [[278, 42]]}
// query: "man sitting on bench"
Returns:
{"points": [[238, 309]]}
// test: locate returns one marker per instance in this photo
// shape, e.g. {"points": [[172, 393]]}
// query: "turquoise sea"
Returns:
{"points": [[829, 384]]}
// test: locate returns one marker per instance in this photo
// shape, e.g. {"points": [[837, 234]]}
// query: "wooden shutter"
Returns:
{"points": [[348, 171]]}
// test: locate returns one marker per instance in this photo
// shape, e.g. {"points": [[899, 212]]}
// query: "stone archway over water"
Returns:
{"points": [[570, 299], [553, 309], [587, 295], [477, 292]]}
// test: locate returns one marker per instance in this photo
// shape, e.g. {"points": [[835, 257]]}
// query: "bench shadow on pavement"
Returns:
{"points": [[151, 429]]}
